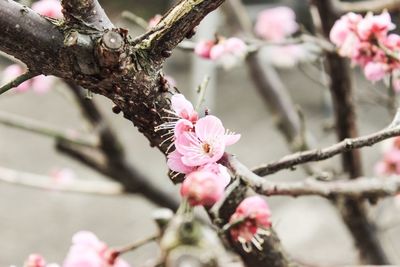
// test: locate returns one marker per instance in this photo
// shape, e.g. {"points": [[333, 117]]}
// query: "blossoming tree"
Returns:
{"points": [[75, 41]]}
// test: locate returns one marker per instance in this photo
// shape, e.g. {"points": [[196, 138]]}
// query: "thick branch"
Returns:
{"points": [[320, 154], [29, 37], [88, 12], [179, 23]]}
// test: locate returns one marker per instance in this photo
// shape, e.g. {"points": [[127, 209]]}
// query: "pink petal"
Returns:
{"points": [[181, 106], [231, 139], [175, 163], [209, 127]]}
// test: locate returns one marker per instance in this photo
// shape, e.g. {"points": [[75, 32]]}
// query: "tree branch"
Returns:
{"points": [[48, 183], [367, 6], [359, 188], [38, 127], [30, 37], [88, 12], [17, 81], [320, 154]]}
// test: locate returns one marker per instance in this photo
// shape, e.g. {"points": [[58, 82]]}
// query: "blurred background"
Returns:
{"points": [[43, 221]]}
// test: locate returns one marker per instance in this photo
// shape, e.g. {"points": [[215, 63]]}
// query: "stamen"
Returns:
{"points": [[247, 247], [256, 243]]}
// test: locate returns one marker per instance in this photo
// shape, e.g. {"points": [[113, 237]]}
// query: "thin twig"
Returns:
{"points": [[137, 244], [320, 154], [39, 127], [49, 183], [17, 81]]}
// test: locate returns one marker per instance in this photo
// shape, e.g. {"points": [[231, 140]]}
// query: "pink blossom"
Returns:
{"points": [[275, 24], [375, 71], [48, 8], [344, 28], [35, 260], [251, 218], [205, 145], [183, 108], [203, 187], [88, 251], [232, 47], [175, 163], [375, 26], [203, 48], [154, 20]]}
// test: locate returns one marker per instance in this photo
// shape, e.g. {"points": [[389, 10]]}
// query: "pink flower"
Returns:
{"points": [[205, 145], [275, 24], [203, 48], [375, 71], [344, 28], [35, 260], [88, 251], [63, 175], [203, 187], [48, 8], [175, 163], [154, 20], [251, 219], [183, 108], [375, 26], [230, 47]]}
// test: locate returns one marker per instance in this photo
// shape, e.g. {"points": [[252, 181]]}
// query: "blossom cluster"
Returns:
{"points": [[250, 221], [276, 25], [228, 51], [199, 144], [367, 41], [86, 251]]}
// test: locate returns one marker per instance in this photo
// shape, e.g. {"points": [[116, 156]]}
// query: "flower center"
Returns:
{"points": [[206, 148]]}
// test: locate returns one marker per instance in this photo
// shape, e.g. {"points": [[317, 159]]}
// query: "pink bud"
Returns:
{"points": [[203, 48], [48, 8], [202, 188]]}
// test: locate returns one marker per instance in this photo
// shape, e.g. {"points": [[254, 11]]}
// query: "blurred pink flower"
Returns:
{"points": [[35, 260], [63, 175], [205, 145], [275, 24], [88, 251], [344, 28], [251, 219], [48, 8], [39, 84], [203, 48], [230, 47], [154, 20], [375, 71], [376, 26]]}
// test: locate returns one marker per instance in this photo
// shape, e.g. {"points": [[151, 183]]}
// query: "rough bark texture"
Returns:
{"points": [[353, 210]]}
